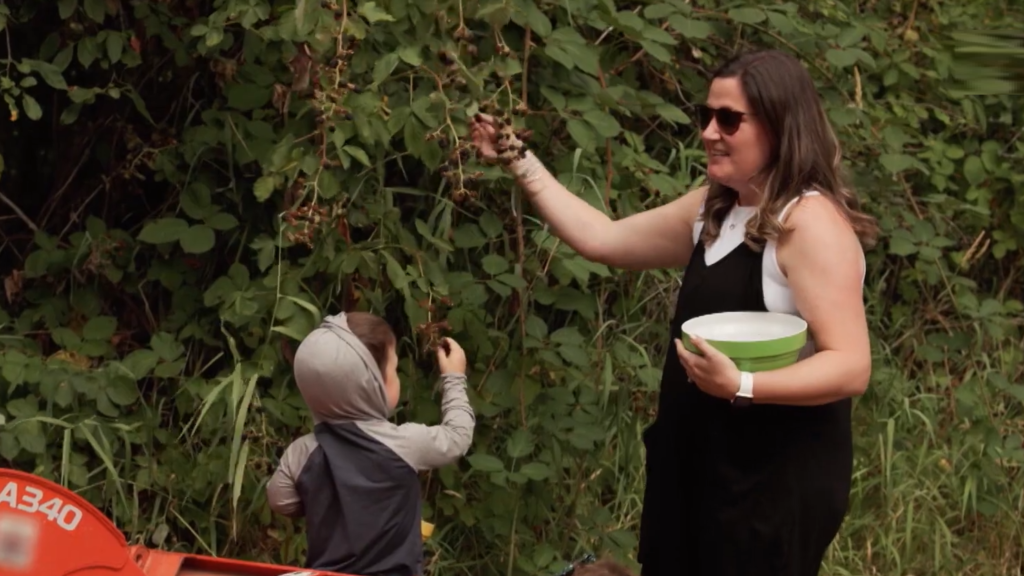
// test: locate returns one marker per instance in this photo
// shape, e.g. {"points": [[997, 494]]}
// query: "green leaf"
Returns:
{"points": [[974, 170], [65, 8], [166, 346], [659, 11], [520, 444], [121, 390], [411, 55], [96, 10], [399, 279], [384, 67], [115, 46], [494, 264], [214, 37], [372, 13], [468, 236], [896, 162], [672, 114], [199, 239], [491, 224], [536, 471], [901, 246], [31, 436], [604, 123], [263, 187], [655, 34], [140, 363], [31, 107], [88, 51], [582, 134], [10, 448], [163, 230], [850, 36], [512, 280], [358, 153], [222, 221], [50, 73], [781, 22], [841, 58], [538, 20], [690, 28], [247, 96], [327, 184], [485, 463], [23, 407], [747, 15], [99, 328], [559, 55]]}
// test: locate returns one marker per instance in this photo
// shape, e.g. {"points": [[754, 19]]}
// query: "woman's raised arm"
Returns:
{"points": [[661, 237]]}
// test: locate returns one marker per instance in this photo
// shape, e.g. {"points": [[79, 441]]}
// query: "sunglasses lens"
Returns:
{"points": [[728, 121]]}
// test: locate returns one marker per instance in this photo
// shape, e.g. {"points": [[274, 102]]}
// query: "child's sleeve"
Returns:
{"points": [[437, 446], [281, 490]]}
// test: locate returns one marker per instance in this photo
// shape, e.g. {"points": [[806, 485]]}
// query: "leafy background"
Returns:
{"points": [[188, 185]]}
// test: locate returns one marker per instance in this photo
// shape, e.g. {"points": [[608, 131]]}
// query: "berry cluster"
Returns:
{"points": [[453, 169], [303, 223], [432, 331], [329, 88], [511, 143]]}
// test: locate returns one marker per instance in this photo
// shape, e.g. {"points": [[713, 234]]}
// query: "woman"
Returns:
{"points": [[757, 486]]}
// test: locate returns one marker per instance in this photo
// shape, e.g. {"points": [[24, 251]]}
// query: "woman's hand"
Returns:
{"points": [[714, 373], [485, 135], [451, 358]]}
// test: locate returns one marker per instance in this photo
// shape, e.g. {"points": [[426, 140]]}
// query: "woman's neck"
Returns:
{"points": [[748, 197]]}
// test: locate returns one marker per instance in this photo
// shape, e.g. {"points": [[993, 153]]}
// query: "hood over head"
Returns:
{"points": [[338, 377]]}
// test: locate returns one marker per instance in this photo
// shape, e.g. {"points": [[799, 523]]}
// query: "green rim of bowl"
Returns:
{"points": [[769, 363], [758, 349]]}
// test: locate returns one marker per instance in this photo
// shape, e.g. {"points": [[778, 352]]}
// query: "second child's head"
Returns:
{"points": [[378, 337], [347, 369]]}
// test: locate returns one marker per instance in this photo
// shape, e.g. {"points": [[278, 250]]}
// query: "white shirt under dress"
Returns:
{"points": [[777, 295]]}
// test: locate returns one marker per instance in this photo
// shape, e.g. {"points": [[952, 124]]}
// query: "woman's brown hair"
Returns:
{"points": [[805, 154], [375, 333]]}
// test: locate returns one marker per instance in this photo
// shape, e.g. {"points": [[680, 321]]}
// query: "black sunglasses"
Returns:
{"points": [[728, 120], [586, 559]]}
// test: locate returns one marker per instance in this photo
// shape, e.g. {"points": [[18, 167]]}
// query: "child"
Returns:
{"points": [[354, 478]]}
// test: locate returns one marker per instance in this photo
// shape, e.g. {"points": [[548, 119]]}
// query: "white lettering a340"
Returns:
{"points": [[30, 499]]}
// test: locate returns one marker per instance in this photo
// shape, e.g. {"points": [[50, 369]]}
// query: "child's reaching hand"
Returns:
{"points": [[450, 357]]}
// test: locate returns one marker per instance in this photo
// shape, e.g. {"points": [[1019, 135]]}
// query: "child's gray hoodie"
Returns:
{"points": [[354, 478]]}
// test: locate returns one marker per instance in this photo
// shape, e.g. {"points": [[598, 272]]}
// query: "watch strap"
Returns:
{"points": [[745, 394]]}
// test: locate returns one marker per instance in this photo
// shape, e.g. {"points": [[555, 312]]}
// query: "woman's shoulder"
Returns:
{"points": [[816, 211], [815, 226]]}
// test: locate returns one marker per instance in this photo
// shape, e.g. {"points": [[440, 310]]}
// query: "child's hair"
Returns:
{"points": [[605, 567], [375, 333]]}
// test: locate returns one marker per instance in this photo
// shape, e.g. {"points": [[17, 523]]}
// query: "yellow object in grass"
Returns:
{"points": [[426, 529]]}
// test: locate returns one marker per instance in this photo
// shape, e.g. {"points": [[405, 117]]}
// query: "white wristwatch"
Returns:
{"points": [[745, 395]]}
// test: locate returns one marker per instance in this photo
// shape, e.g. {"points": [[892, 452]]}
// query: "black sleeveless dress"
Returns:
{"points": [[759, 490]]}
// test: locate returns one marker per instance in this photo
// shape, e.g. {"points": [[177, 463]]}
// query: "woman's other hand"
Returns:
{"points": [[484, 135], [714, 373]]}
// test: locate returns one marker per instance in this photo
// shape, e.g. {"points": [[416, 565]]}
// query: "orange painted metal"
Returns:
{"points": [[159, 563], [46, 530]]}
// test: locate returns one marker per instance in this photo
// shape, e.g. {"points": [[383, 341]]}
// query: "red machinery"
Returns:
{"points": [[46, 530]]}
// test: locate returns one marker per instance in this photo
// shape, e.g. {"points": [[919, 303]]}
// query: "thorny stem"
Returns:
{"points": [[341, 30]]}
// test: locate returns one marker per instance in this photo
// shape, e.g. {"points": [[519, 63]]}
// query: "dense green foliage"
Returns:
{"points": [[155, 172]]}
